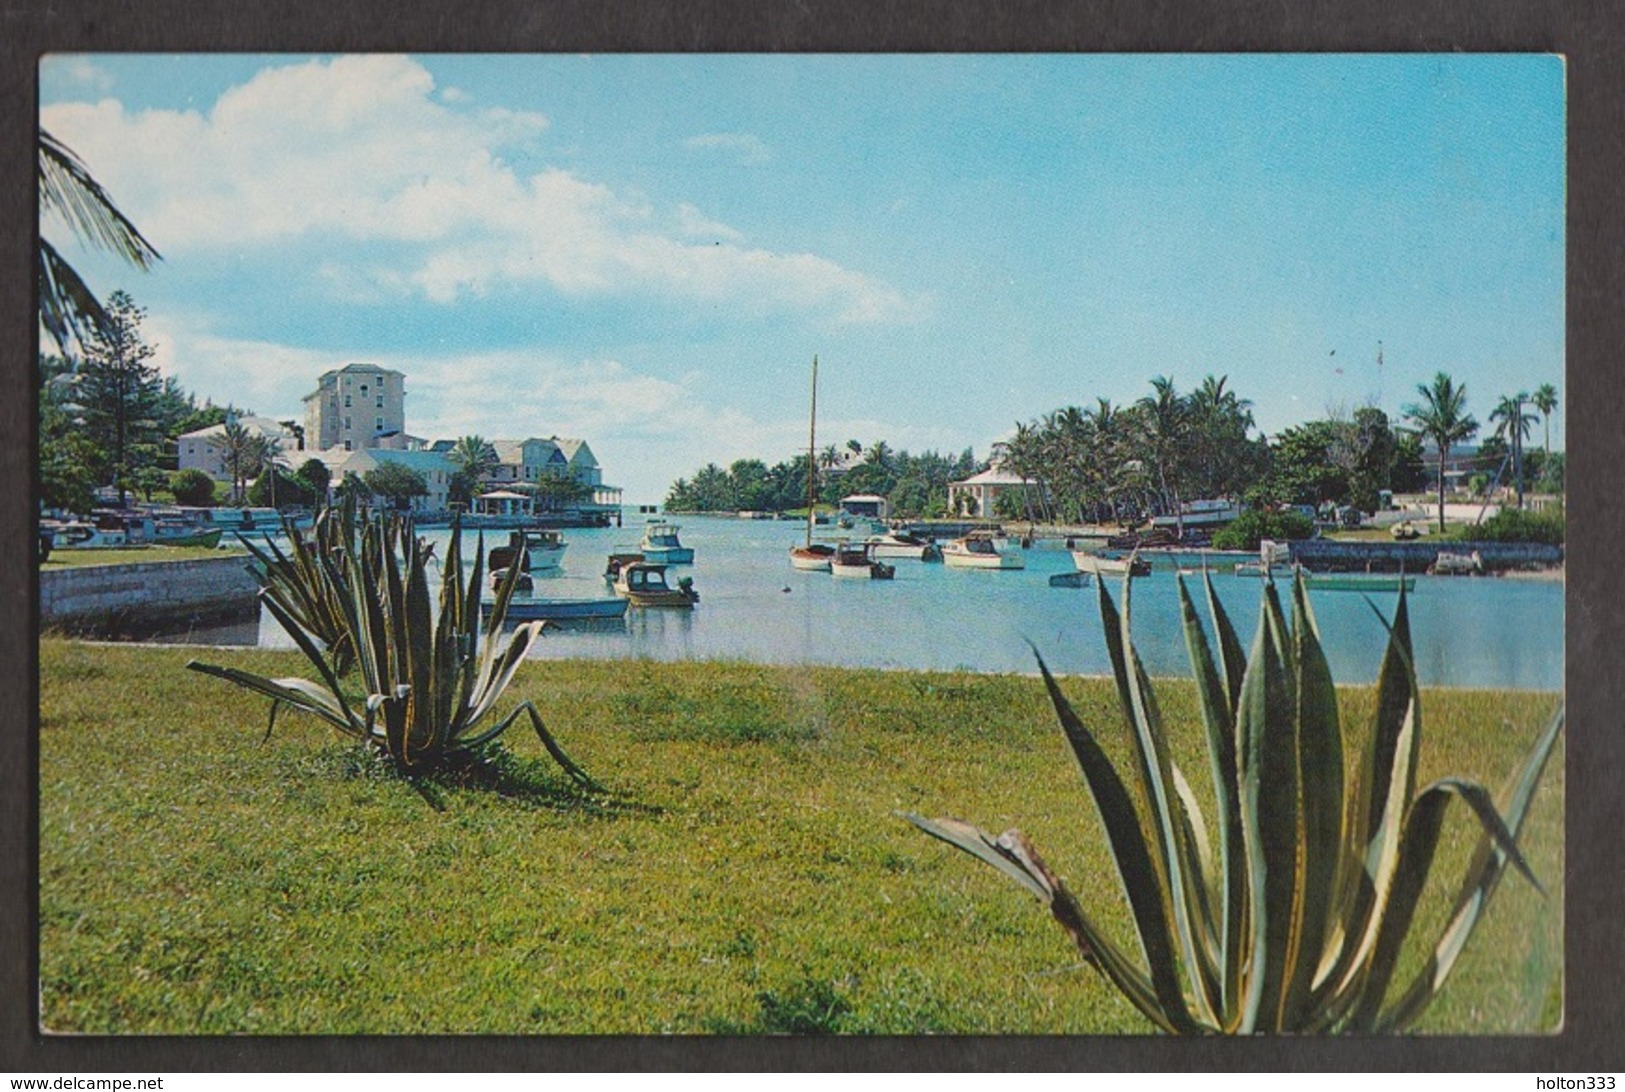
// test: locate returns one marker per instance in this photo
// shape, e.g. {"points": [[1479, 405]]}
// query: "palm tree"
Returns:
{"points": [[879, 454], [1545, 400], [1513, 425], [1442, 417], [243, 452], [68, 309], [1167, 416], [475, 459]]}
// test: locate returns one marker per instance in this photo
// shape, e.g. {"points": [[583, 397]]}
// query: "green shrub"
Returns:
{"points": [[1517, 525], [1292, 916], [192, 486], [427, 687], [1257, 524]]}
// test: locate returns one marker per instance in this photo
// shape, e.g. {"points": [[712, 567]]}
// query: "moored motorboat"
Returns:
{"points": [[643, 584], [895, 544], [1072, 579], [856, 561], [617, 561], [660, 544], [979, 550], [533, 549]]}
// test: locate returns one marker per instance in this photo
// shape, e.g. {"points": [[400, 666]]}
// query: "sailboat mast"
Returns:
{"points": [[812, 449]]}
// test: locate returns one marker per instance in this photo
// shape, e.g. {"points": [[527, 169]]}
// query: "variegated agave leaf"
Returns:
{"points": [[1289, 913], [427, 683]]}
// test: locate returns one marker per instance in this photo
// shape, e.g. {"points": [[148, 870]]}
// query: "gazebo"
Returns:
{"points": [[501, 502]]}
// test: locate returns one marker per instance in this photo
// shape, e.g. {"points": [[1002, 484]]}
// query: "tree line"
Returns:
{"points": [[914, 485], [1126, 463]]}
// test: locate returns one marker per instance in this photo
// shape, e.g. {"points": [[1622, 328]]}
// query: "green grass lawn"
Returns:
{"points": [[747, 875], [112, 555]]}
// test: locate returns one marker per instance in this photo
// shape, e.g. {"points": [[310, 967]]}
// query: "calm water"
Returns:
{"points": [[753, 606]]}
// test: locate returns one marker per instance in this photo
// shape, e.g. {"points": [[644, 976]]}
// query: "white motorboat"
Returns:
{"points": [[979, 550], [902, 544], [662, 546], [1106, 565], [856, 560]]}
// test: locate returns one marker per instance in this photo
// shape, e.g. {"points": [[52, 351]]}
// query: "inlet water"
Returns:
{"points": [[1468, 632]]}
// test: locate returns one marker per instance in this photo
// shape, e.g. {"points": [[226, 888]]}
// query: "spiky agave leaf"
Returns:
{"points": [[1317, 895], [427, 681]]}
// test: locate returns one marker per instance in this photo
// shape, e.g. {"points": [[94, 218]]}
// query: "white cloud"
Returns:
{"points": [[695, 224], [748, 150], [361, 150], [646, 430]]}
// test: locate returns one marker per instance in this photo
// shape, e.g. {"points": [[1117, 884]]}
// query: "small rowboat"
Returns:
{"points": [[1366, 582], [1105, 565], [557, 610]]}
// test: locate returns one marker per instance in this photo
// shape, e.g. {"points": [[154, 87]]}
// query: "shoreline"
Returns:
{"points": [[593, 662]]}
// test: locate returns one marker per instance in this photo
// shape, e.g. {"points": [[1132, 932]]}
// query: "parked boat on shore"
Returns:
{"points": [[980, 550]]}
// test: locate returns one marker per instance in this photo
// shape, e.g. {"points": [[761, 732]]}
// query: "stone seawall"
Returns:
{"points": [[1416, 557], [146, 597]]}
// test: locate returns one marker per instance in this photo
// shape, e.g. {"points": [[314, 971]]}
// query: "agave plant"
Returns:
{"points": [[308, 582], [1291, 917], [428, 688]]}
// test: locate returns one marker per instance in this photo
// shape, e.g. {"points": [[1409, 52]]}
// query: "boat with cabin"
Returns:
{"points": [[530, 549], [894, 544], [643, 584], [856, 560], [661, 544], [980, 550]]}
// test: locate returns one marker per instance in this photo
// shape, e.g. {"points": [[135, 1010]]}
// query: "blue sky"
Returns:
{"points": [[646, 251]]}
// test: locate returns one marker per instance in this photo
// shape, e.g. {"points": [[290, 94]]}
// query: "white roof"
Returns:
{"points": [[501, 494], [867, 497], [996, 476], [265, 426]]}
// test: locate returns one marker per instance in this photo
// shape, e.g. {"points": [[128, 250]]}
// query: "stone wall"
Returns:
{"points": [[147, 597], [1416, 556]]}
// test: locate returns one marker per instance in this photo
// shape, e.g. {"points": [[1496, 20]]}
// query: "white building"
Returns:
{"points": [[979, 494], [435, 468], [357, 406], [204, 449]]}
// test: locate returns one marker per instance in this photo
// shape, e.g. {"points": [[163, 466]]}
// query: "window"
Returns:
{"points": [[380, 401], [363, 390], [347, 446], [378, 423], [346, 401], [346, 422]]}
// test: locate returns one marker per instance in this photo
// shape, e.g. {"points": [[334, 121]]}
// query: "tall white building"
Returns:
{"points": [[355, 407]]}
